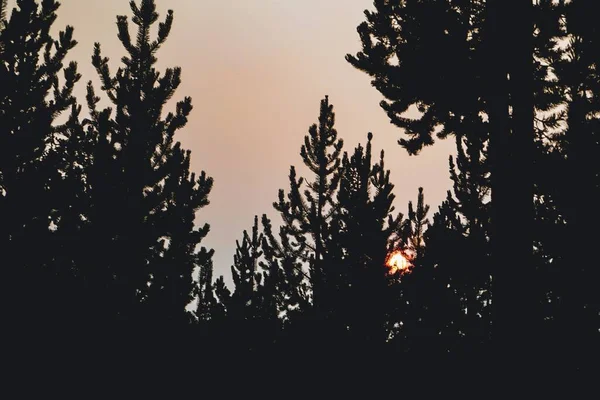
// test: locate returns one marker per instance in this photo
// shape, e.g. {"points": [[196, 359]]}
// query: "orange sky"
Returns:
{"points": [[256, 71]]}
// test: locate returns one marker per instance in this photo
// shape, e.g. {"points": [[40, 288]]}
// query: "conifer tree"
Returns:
{"points": [[447, 295], [472, 275], [364, 230], [143, 243], [212, 299], [345, 299], [212, 305], [252, 298], [253, 307], [246, 276], [35, 89], [458, 242], [286, 273], [429, 292], [421, 299], [415, 225], [308, 209]]}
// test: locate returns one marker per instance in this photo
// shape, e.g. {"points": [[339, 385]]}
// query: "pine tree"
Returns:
{"points": [[307, 213], [445, 300], [470, 176], [251, 298], [421, 317], [363, 234], [287, 278], [431, 292], [253, 307], [32, 98], [143, 243], [458, 243], [415, 225], [246, 276]]}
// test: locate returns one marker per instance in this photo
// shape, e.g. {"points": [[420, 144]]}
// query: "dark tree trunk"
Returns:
{"points": [[498, 122], [522, 283], [510, 71]]}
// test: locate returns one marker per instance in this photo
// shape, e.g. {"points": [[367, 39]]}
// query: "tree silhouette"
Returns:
{"points": [[98, 212], [32, 165], [286, 274], [144, 246], [255, 293], [346, 301], [455, 264], [424, 306], [307, 214], [254, 306], [364, 230], [246, 276], [342, 298]]}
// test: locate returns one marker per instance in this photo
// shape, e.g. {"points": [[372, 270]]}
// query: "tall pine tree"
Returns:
{"points": [[143, 243], [365, 228], [308, 209]]}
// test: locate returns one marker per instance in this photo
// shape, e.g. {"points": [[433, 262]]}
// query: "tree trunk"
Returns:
{"points": [[522, 283], [510, 84]]}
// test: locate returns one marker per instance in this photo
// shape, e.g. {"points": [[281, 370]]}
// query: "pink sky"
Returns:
{"points": [[256, 71]]}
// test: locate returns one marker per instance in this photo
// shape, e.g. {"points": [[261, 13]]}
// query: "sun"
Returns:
{"points": [[398, 262]]}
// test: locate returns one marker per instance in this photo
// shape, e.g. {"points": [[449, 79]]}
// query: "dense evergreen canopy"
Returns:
{"points": [[99, 206]]}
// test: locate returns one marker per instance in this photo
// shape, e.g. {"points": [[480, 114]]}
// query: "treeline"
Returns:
{"points": [[98, 207]]}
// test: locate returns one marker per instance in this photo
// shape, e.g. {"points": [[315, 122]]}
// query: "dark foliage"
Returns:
{"points": [[98, 211], [448, 63], [35, 90], [143, 198]]}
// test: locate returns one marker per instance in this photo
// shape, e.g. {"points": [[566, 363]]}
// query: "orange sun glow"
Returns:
{"points": [[398, 261]]}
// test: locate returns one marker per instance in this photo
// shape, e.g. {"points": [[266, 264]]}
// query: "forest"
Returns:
{"points": [[98, 204]]}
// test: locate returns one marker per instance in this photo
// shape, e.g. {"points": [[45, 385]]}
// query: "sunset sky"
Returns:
{"points": [[256, 71]]}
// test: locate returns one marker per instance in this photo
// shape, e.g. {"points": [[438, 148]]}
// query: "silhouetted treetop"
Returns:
{"points": [[424, 57], [144, 196]]}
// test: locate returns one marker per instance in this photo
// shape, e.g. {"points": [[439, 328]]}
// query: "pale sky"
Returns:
{"points": [[256, 71]]}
